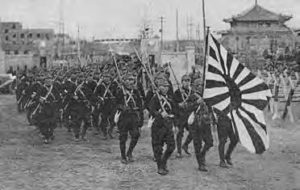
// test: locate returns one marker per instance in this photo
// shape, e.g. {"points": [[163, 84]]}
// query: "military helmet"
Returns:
{"points": [[185, 77]]}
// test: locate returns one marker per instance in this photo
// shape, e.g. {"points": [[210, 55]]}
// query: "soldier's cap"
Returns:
{"points": [[162, 82], [185, 77], [81, 75], [129, 76], [48, 80], [197, 82], [159, 76], [73, 76], [107, 74]]}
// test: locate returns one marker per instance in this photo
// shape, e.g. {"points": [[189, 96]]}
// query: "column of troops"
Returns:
{"points": [[116, 94], [280, 75]]}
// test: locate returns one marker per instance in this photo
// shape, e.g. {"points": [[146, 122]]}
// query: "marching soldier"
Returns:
{"points": [[163, 109], [130, 121], [35, 91], [79, 109], [225, 131], [69, 87], [20, 93], [180, 97], [46, 112], [200, 128], [107, 92]]}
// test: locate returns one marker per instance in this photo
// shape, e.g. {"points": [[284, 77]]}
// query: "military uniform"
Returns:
{"points": [[46, 114], [180, 98], [225, 131], [20, 93], [79, 109], [200, 129], [162, 127], [129, 103], [35, 91], [107, 92], [69, 88]]}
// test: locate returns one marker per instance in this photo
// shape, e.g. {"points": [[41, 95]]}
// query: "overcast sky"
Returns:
{"points": [[123, 18]]}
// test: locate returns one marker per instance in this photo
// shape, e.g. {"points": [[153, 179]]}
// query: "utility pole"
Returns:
{"points": [[78, 43], [198, 38], [161, 30], [61, 28], [190, 26], [177, 36], [187, 28]]}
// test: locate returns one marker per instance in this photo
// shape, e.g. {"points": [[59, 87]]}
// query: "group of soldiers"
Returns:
{"points": [[117, 94], [281, 75]]}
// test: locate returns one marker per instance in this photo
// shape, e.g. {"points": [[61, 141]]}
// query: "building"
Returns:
{"points": [[257, 31], [24, 45]]}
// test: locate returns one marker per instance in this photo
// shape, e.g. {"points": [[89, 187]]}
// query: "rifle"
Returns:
{"points": [[152, 83], [47, 95], [119, 76], [177, 82]]}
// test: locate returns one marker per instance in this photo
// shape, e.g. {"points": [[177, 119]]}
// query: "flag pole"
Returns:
{"points": [[205, 44], [205, 58], [204, 19]]}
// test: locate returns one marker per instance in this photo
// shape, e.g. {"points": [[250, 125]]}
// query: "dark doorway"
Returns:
{"points": [[43, 62]]}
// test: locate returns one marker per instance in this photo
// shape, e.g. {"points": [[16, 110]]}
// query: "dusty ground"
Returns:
{"points": [[27, 164]]}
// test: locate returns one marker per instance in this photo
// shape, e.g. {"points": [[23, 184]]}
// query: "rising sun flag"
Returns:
{"points": [[232, 90]]}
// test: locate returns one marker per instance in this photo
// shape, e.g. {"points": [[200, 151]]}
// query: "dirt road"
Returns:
{"points": [[27, 164]]}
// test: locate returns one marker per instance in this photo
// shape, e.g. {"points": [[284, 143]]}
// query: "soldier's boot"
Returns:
{"points": [[202, 164], [164, 166], [228, 156], [104, 133], [19, 108], [154, 159], [76, 138], [69, 126], [161, 171], [223, 164], [178, 145], [46, 141], [103, 127], [51, 134], [232, 145], [185, 146], [186, 149], [28, 115], [110, 131], [130, 157], [221, 153], [202, 168], [76, 133], [123, 150], [160, 168], [83, 132], [124, 161]]}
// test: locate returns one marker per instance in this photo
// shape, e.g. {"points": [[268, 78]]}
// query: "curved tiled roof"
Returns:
{"points": [[258, 13]]}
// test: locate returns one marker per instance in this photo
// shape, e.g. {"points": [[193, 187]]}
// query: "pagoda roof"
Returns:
{"points": [[258, 13]]}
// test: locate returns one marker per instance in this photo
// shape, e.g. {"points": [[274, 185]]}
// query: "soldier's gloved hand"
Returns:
{"points": [[121, 108], [164, 114], [33, 94], [200, 100], [42, 100], [181, 105], [23, 92], [75, 97]]}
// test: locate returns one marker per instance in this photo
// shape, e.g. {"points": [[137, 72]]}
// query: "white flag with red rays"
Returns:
{"points": [[232, 90]]}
